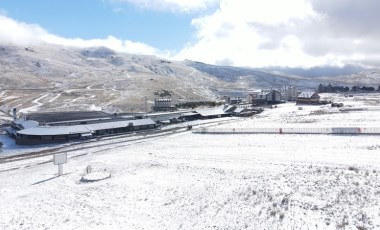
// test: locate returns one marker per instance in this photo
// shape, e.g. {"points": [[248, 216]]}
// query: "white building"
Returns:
{"points": [[289, 93], [163, 104]]}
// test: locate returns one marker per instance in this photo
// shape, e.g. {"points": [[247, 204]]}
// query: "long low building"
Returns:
{"points": [[54, 134], [53, 127]]}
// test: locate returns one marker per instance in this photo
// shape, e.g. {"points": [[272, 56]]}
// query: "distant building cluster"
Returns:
{"points": [[285, 93], [334, 89], [41, 128], [272, 96], [364, 88]]}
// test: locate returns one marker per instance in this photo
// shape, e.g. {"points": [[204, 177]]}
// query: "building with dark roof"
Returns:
{"points": [[50, 117], [308, 98], [54, 134], [266, 97], [42, 128]]}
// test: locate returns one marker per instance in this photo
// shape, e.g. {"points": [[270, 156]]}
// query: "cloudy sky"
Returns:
{"points": [[255, 33]]}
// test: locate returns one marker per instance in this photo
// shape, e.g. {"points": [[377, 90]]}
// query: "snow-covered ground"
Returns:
{"points": [[198, 181], [290, 115], [9, 147]]}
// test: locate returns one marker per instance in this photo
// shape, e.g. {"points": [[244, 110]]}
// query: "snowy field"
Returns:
{"points": [[9, 147], [199, 181]]}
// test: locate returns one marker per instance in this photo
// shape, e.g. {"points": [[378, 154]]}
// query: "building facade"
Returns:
{"points": [[308, 98], [163, 104], [289, 93], [266, 97], [63, 133]]}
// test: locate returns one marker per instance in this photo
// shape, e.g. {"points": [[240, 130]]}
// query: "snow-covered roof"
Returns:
{"points": [[119, 124], [79, 129], [306, 94], [85, 120], [189, 114], [29, 124], [55, 130], [163, 100], [229, 107], [165, 117], [211, 112], [239, 110], [19, 121], [25, 124]]}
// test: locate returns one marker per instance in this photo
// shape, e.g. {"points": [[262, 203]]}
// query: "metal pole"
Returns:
{"points": [[60, 169]]}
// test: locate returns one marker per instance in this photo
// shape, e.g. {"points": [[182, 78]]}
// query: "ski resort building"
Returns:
{"points": [[55, 127], [53, 134], [163, 104], [267, 97], [308, 98], [233, 100], [217, 112], [288, 93], [65, 126]]}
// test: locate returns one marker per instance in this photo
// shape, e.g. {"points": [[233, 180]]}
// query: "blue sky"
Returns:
{"points": [[89, 19], [253, 33]]}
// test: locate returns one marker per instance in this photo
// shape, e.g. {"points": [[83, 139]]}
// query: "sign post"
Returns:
{"points": [[60, 159]]}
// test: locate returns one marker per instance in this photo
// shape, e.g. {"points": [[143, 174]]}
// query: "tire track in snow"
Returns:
{"points": [[36, 102]]}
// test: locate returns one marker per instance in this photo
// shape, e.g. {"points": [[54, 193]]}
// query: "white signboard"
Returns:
{"points": [[60, 158]]}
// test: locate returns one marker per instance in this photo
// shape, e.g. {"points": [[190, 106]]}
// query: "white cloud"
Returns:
{"points": [[12, 31], [185, 6], [237, 32], [287, 33], [255, 33], [18, 32], [111, 42]]}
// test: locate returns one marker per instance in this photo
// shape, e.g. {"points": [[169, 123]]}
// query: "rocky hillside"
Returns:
{"points": [[243, 78], [273, 77], [53, 78], [62, 78]]}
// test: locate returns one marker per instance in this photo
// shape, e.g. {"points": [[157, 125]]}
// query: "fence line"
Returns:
{"points": [[295, 130]]}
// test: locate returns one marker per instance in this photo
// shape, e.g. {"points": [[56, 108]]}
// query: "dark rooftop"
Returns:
{"points": [[67, 116]]}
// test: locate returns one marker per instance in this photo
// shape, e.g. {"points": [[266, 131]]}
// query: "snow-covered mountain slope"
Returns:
{"points": [[49, 77], [251, 78], [302, 78], [56, 77], [368, 78]]}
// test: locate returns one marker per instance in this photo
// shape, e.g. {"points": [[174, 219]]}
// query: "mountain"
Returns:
{"points": [[245, 78], [51, 77], [275, 77], [55, 78], [318, 71]]}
